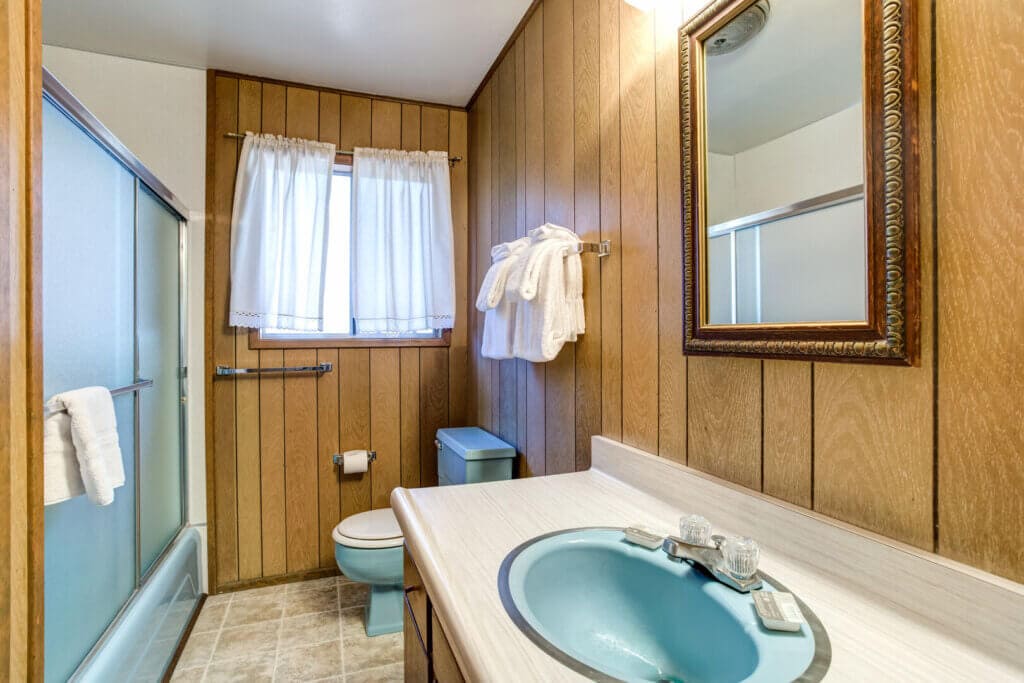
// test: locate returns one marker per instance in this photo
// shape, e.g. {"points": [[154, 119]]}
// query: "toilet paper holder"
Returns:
{"points": [[339, 459]]}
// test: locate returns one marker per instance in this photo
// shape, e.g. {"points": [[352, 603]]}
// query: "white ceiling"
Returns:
{"points": [[803, 66], [432, 50]]}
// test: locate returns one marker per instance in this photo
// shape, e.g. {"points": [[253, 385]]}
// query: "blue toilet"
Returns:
{"points": [[368, 545]]}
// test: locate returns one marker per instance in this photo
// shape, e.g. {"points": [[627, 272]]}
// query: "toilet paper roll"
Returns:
{"points": [[355, 462]]}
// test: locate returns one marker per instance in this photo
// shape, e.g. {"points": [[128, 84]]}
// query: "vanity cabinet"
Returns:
{"points": [[428, 654]]}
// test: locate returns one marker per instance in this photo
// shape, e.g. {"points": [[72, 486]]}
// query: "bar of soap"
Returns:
{"points": [[778, 611], [643, 537]]}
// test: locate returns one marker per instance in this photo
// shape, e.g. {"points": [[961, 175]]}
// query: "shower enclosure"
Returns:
{"points": [[121, 581]]}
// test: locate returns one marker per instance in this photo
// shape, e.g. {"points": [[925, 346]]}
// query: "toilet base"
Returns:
{"points": [[385, 609]]}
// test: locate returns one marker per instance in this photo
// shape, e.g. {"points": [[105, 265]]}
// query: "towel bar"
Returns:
{"points": [[49, 409], [224, 370], [602, 248]]}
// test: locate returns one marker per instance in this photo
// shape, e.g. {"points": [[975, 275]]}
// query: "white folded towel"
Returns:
{"points": [[61, 480], [525, 275], [503, 257], [500, 313], [499, 330], [547, 284], [93, 462]]}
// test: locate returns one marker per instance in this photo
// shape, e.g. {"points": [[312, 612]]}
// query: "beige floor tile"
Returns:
{"points": [[254, 668], [309, 629], [251, 609], [314, 584], [276, 589], [353, 623], [197, 650], [392, 673], [190, 675], [210, 618], [219, 599], [309, 663], [363, 652], [322, 599], [351, 594], [247, 641]]}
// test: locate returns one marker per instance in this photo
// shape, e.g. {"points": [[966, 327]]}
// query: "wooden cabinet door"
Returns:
{"points": [[417, 661], [446, 669]]}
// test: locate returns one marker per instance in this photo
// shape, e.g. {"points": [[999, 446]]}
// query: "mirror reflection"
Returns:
{"points": [[786, 238]]}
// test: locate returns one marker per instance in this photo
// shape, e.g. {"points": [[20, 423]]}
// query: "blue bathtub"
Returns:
{"points": [[139, 645]]}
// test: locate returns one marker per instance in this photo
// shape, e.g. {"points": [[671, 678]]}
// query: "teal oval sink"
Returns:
{"points": [[614, 611]]}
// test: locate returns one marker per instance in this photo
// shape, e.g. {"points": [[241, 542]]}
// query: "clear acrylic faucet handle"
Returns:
{"points": [[695, 530], [741, 557]]}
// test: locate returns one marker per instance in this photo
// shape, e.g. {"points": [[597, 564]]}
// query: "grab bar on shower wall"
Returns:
{"points": [[223, 370]]}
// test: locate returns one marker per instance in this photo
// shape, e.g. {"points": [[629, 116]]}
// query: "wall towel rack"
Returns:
{"points": [[52, 407], [321, 368]]}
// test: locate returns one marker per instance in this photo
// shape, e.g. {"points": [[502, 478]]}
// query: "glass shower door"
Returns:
{"points": [[88, 340], [161, 494]]}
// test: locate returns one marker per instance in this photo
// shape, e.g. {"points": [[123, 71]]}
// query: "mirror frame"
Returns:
{"points": [[891, 334]]}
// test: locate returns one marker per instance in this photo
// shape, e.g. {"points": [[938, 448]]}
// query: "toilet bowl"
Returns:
{"points": [[368, 549], [368, 545]]}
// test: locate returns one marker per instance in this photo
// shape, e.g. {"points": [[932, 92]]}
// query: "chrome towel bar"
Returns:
{"points": [[602, 248], [51, 407], [223, 370]]}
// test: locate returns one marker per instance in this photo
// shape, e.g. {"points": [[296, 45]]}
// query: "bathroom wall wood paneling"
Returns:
{"points": [[980, 165], [273, 493], [929, 455], [21, 369]]}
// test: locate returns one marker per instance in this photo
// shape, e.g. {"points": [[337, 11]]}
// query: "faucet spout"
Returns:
{"points": [[711, 560]]}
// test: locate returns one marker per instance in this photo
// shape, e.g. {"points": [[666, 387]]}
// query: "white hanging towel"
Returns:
{"points": [[81, 452], [499, 311], [503, 257], [547, 284]]}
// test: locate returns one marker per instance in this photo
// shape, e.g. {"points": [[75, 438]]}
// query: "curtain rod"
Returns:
{"points": [[240, 136]]}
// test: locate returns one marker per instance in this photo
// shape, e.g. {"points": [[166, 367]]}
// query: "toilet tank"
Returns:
{"points": [[470, 455]]}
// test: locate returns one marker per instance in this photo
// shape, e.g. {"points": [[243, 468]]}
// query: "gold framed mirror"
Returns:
{"points": [[799, 154]]}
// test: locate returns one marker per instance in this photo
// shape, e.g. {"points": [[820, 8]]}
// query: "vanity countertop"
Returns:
{"points": [[946, 622]]}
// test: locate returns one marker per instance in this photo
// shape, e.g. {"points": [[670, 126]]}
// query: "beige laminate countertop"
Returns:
{"points": [[460, 535]]}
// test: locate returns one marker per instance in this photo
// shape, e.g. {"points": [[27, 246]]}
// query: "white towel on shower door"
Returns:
{"points": [[91, 424]]}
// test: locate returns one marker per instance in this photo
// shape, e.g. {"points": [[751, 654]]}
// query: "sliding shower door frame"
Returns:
{"points": [[144, 180]]}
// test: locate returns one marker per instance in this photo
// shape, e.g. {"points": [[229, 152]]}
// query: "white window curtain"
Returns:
{"points": [[279, 230], [403, 270]]}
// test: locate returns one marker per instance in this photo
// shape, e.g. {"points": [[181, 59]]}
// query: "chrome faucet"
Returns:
{"points": [[732, 561]]}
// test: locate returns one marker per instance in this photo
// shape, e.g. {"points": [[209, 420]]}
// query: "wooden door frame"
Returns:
{"points": [[21, 371]]}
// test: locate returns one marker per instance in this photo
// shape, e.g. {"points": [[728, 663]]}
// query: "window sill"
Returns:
{"points": [[256, 342]]}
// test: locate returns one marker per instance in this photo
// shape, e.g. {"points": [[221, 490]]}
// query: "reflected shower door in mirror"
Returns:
{"points": [[797, 211], [785, 173]]}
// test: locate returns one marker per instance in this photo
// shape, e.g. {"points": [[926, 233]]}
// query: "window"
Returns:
{"points": [[338, 322]]}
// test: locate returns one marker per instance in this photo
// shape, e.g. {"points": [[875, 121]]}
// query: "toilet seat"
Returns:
{"points": [[373, 529]]}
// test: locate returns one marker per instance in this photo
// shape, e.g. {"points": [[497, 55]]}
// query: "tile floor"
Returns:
{"points": [[308, 631]]}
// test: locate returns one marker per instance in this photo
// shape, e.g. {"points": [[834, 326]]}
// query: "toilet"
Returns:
{"points": [[368, 545], [368, 549]]}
